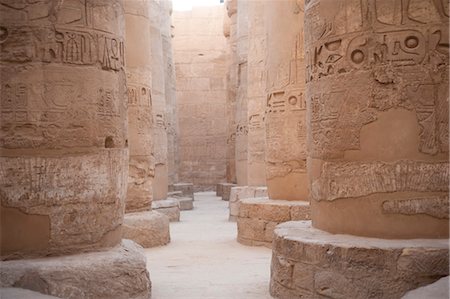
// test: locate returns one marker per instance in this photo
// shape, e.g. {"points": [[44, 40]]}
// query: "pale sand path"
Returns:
{"points": [[204, 260]]}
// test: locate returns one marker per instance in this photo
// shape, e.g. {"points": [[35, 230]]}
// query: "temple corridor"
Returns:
{"points": [[203, 259]]}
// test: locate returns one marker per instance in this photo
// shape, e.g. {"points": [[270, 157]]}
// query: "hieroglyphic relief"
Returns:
{"points": [[434, 206], [401, 52], [60, 33], [355, 179]]}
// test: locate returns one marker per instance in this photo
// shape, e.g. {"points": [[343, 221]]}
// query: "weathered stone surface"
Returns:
{"points": [[239, 193], [186, 203], [148, 229], [226, 191], [140, 118], [158, 16], [308, 262], [63, 164], [436, 290], [377, 96], [187, 189], [219, 189], [169, 207], [285, 118], [16, 293], [200, 62], [116, 273], [258, 218]]}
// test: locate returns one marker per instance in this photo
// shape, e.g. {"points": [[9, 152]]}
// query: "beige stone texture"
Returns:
{"points": [[117, 273], [311, 263], [17, 293], [186, 203], [241, 192], [258, 217], [169, 207], [219, 189], [148, 229], [138, 61], [186, 189], [230, 32], [63, 127], [256, 95], [285, 117], [377, 92], [226, 190], [241, 106], [158, 16], [436, 290], [201, 63]]}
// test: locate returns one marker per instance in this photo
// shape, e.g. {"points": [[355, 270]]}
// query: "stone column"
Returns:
{"points": [[64, 156], [157, 17], [146, 227], [377, 96], [159, 22], [285, 124], [230, 31], [241, 94]]}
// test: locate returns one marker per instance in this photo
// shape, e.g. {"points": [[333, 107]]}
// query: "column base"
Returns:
{"points": [[187, 189], [224, 190], [117, 273], [169, 207], [148, 229], [241, 192], [258, 217], [310, 263]]}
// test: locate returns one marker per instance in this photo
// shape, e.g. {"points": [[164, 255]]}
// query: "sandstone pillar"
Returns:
{"points": [[146, 227], [230, 32], [241, 93], [158, 14], [64, 156], [377, 96], [285, 129]]}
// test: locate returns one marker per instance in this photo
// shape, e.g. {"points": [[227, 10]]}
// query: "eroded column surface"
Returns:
{"points": [[241, 142], [256, 96], [63, 126], [160, 182], [285, 117], [377, 91], [170, 95], [230, 32], [140, 118]]}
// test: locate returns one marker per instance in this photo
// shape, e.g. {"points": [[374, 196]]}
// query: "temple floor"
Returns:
{"points": [[204, 260]]}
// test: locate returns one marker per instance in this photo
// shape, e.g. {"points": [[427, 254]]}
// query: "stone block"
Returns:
{"points": [[344, 266], [117, 273], [187, 189], [148, 229], [252, 211], [186, 203], [169, 207], [226, 190], [16, 293]]}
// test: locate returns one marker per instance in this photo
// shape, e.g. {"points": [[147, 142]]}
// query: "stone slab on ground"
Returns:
{"points": [[436, 290], [310, 263], [169, 207], [187, 189], [258, 217], [241, 192], [117, 273], [16, 293], [148, 229], [174, 194], [186, 203]]}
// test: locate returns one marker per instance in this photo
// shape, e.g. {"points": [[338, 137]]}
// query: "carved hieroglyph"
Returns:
{"points": [[285, 115], [63, 164], [377, 90], [140, 118]]}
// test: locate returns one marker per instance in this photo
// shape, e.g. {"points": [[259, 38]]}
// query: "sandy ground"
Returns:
{"points": [[204, 260]]}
